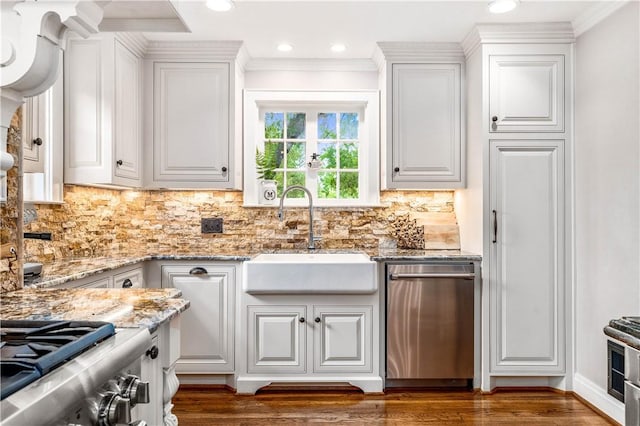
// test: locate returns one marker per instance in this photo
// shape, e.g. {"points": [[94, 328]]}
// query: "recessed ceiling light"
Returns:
{"points": [[285, 47], [220, 5], [502, 6], [338, 47]]}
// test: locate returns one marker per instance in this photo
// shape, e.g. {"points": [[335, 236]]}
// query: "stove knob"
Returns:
{"points": [[136, 390], [116, 410]]}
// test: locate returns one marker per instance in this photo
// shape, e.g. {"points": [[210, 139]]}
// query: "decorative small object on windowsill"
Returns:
{"points": [[268, 190], [315, 163], [407, 232]]}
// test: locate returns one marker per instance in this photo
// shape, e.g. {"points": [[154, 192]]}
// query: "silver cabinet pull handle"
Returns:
{"points": [[466, 276], [495, 227], [198, 271]]}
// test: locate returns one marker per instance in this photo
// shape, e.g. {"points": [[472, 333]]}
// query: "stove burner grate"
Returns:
{"points": [[31, 349]]}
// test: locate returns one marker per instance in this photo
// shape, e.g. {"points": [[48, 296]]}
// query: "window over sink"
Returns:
{"points": [[325, 141]]}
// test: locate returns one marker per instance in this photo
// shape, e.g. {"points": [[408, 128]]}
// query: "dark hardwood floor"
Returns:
{"points": [[215, 406]]}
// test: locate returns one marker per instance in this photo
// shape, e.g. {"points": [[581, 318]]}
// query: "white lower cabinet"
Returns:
{"points": [[342, 338], [158, 368], [151, 372], [290, 340], [277, 339], [207, 343]]}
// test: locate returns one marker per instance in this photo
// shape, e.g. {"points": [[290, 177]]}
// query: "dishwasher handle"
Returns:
{"points": [[466, 276]]}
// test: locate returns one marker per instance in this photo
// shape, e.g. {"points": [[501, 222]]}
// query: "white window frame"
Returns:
{"points": [[366, 103]]}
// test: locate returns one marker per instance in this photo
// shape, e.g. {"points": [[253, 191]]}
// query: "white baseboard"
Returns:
{"points": [[598, 397], [206, 379]]}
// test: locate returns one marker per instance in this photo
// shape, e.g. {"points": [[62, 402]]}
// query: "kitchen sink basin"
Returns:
{"points": [[297, 273]]}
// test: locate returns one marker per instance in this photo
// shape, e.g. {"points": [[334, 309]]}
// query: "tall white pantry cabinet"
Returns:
{"points": [[521, 79]]}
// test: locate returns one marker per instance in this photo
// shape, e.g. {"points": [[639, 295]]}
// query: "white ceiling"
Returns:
{"points": [[312, 26]]}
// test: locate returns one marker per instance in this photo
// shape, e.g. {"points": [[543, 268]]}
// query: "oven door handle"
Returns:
{"points": [[465, 275]]}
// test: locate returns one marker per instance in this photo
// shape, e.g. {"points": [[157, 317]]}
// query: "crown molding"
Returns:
{"points": [[544, 32], [172, 25], [242, 58], [310, 64], [134, 41], [196, 50], [417, 51], [471, 42], [595, 14]]}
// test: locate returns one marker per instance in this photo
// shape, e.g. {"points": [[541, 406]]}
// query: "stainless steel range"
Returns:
{"points": [[627, 331], [71, 373]]}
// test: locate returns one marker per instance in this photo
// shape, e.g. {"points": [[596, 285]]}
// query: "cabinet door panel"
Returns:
{"points": [[426, 123], [127, 114], [342, 338], [526, 93], [84, 136], [191, 122], [277, 339], [34, 117], [207, 339], [527, 289]]}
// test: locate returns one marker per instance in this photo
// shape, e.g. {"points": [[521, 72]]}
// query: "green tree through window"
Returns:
{"points": [[288, 147]]}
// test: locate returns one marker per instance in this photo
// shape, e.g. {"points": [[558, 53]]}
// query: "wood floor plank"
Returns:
{"points": [[201, 406]]}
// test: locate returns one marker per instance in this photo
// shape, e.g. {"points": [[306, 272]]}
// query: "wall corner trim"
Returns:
{"points": [[595, 14]]}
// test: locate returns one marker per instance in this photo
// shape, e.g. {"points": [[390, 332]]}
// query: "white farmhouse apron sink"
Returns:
{"points": [[298, 273]]}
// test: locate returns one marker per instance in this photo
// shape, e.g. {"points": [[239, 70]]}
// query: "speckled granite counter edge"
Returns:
{"points": [[119, 262], [623, 337], [115, 263], [125, 308], [426, 257]]}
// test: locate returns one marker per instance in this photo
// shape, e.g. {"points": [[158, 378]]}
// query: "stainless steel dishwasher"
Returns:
{"points": [[430, 324]]}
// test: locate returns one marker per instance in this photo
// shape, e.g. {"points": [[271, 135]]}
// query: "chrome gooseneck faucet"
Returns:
{"points": [[312, 239]]}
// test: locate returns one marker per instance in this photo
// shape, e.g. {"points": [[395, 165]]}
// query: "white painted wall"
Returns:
{"points": [[607, 190], [468, 201], [311, 80]]}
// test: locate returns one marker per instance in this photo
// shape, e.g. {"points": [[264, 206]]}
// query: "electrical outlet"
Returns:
{"points": [[212, 225]]}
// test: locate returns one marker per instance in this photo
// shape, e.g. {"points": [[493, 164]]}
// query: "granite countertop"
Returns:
{"points": [[386, 255], [63, 271], [624, 331], [126, 308]]}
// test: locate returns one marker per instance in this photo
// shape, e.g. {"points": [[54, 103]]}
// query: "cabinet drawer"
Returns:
{"points": [[129, 279], [101, 283]]}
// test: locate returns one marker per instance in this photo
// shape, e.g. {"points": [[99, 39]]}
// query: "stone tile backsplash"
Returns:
{"points": [[96, 221], [10, 212]]}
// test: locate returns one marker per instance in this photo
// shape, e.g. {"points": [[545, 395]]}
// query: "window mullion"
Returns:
{"points": [[312, 146]]}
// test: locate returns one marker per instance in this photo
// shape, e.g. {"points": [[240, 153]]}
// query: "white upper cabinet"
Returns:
{"points": [[34, 134], [103, 95], [191, 123], [42, 144], [193, 115], [422, 106], [526, 93], [426, 124]]}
